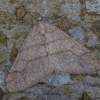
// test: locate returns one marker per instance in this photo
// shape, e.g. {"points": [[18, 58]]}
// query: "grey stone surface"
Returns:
{"points": [[58, 79], [81, 14]]}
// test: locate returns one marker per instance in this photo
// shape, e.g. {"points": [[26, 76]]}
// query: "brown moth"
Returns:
{"points": [[47, 49]]}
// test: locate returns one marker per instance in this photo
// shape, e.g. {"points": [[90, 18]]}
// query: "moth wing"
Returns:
{"points": [[31, 65], [69, 56], [35, 72], [29, 49]]}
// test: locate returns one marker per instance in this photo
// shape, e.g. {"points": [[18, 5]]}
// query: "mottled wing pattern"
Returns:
{"points": [[67, 55], [47, 49], [32, 63]]}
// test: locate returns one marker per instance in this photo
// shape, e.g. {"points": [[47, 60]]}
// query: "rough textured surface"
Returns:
{"points": [[47, 49], [84, 26], [1, 94], [85, 96]]}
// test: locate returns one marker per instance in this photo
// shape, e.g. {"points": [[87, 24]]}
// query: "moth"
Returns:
{"points": [[48, 49]]}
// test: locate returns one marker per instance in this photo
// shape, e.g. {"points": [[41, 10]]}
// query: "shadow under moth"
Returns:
{"points": [[47, 49]]}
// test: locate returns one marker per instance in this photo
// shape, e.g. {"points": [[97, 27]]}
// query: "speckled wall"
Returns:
{"points": [[17, 17]]}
